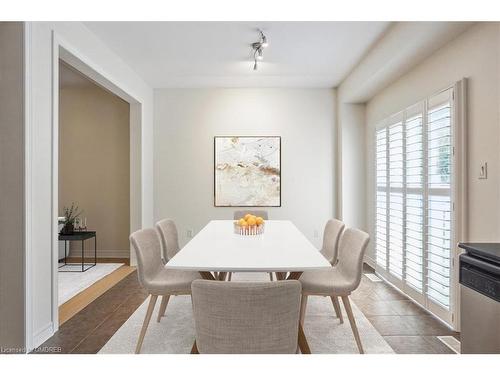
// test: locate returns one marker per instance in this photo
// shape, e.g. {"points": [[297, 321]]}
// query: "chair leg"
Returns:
{"points": [[336, 306], [229, 276], [303, 306], [271, 276], [354, 328], [302, 342], [147, 318], [302, 315], [163, 307]]}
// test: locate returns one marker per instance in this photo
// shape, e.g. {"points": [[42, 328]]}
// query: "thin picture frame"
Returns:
{"points": [[214, 164]]}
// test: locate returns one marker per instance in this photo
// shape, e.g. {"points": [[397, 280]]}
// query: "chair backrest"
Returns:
{"points": [[239, 214], [331, 235], [146, 244], [169, 238], [352, 247], [246, 317]]}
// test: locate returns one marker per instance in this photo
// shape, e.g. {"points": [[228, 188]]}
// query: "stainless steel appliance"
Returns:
{"points": [[480, 298]]}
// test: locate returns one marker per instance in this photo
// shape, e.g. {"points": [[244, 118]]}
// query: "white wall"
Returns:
{"points": [[352, 118], [474, 55], [41, 318], [186, 120]]}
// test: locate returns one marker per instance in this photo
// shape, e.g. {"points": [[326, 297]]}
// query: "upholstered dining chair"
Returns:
{"points": [[169, 238], [331, 235], [154, 277], [239, 214], [170, 246], [247, 317], [341, 280]]}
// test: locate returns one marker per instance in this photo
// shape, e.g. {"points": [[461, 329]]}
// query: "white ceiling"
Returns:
{"points": [[218, 54]]}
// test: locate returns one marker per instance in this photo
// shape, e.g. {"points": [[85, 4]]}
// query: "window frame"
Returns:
{"points": [[458, 197]]}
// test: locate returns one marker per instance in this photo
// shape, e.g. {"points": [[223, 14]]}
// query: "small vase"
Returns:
{"points": [[68, 228]]}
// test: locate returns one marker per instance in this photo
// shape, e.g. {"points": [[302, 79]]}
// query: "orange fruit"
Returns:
{"points": [[251, 221], [247, 216], [242, 223], [259, 220]]}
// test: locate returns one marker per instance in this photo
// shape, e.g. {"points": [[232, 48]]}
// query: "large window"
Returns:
{"points": [[413, 224]]}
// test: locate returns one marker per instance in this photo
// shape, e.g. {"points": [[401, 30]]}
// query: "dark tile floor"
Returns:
{"points": [[406, 327]]}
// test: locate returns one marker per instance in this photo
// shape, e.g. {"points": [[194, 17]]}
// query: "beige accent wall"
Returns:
{"points": [[94, 164], [11, 186]]}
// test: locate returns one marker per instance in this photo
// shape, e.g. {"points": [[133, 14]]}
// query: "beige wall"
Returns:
{"points": [[94, 164], [186, 120], [475, 56], [11, 186]]}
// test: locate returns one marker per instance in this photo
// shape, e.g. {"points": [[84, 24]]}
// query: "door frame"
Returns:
{"points": [[65, 51]]}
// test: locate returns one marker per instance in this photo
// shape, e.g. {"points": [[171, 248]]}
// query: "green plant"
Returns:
{"points": [[71, 214]]}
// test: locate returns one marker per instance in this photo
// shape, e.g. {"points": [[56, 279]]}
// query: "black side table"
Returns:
{"points": [[78, 236]]}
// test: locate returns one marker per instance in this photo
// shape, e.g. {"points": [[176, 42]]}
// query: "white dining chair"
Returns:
{"points": [[341, 280], [154, 277], [247, 317]]}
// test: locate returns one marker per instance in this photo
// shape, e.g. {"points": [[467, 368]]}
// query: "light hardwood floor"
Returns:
{"points": [[71, 307]]}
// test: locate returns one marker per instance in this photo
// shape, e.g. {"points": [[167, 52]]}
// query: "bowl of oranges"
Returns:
{"points": [[249, 225]]}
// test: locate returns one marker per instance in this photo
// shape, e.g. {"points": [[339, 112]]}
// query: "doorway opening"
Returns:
{"points": [[94, 197]]}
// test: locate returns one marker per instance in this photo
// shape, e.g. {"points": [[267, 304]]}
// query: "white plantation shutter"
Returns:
{"points": [[439, 152], [381, 199], [396, 205], [413, 224], [414, 173]]}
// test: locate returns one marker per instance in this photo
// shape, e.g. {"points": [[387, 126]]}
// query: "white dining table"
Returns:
{"points": [[216, 250], [282, 248]]}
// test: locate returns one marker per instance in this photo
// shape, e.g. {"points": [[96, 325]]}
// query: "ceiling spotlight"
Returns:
{"points": [[259, 54], [258, 49], [263, 40]]}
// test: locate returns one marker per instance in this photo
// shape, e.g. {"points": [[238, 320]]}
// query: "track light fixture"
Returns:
{"points": [[258, 49]]}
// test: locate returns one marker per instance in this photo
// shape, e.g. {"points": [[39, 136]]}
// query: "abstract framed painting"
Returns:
{"points": [[247, 171]]}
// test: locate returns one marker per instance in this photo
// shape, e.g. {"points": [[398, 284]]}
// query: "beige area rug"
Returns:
{"points": [[175, 333], [72, 283]]}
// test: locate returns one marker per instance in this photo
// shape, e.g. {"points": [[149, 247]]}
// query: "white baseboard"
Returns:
{"points": [[42, 335], [370, 261]]}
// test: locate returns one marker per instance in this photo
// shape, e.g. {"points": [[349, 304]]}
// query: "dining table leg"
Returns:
{"points": [[294, 276], [207, 275], [280, 275]]}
